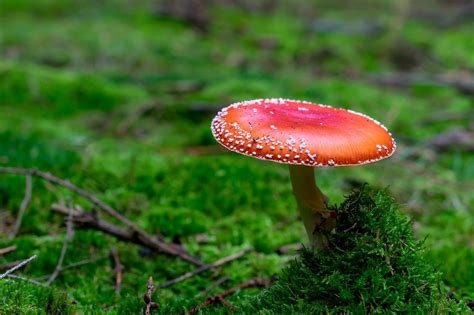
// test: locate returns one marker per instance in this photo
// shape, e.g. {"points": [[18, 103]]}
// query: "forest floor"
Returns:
{"points": [[118, 97]]}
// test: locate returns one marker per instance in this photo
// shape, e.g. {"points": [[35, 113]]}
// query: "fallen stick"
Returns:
{"points": [[10, 265], [67, 239], [67, 184], [7, 250], [139, 233], [201, 269], [447, 116], [74, 265], [90, 220], [404, 80], [254, 282], [217, 283], [82, 263], [24, 205], [118, 269], [458, 139], [18, 266]]}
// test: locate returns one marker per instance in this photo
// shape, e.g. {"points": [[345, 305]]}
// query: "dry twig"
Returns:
{"points": [[90, 220], [7, 250], [201, 269], [18, 266], [217, 283], [220, 298], [463, 83], [24, 205], [74, 265], [150, 305], [454, 139], [138, 233], [118, 269], [82, 263], [10, 265], [447, 116], [67, 184], [67, 239]]}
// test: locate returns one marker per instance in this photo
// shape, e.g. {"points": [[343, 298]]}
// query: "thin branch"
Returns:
{"points": [[23, 263], [82, 263], [89, 220], [118, 269], [150, 305], [447, 116], [217, 283], [220, 298], [350, 228], [137, 231], [67, 184], [67, 239], [140, 233], [463, 83], [74, 265], [459, 139], [7, 250], [24, 205], [10, 265], [201, 269]]}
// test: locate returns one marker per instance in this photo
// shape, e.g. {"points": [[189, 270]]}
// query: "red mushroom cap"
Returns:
{"points": [[298, 132]]}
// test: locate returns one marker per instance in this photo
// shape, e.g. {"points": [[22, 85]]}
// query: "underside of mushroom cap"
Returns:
{"points": [[298, 132]]}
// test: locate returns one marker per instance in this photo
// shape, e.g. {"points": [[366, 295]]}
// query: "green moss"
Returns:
{"points": [[31, 150], [60, 92], [72, 72], [375, 265], [18, 297]]}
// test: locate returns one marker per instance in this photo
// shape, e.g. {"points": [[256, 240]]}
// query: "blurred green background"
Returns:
{"points": [[117, 96]]}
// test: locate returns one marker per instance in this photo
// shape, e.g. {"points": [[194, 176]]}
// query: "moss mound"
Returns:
{"points": [[375, 266], [19, 297]]}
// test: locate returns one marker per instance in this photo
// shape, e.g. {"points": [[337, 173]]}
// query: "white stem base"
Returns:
{"points": [[318, 221]]}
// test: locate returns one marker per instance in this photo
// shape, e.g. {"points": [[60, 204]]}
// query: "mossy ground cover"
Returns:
{"points": [[71, 74], [374, 266]]}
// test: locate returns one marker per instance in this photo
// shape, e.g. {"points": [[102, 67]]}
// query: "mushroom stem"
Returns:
{"points": [[318, 221]]}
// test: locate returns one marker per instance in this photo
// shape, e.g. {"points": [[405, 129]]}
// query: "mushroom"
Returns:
{"points": [[303, 135]]}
